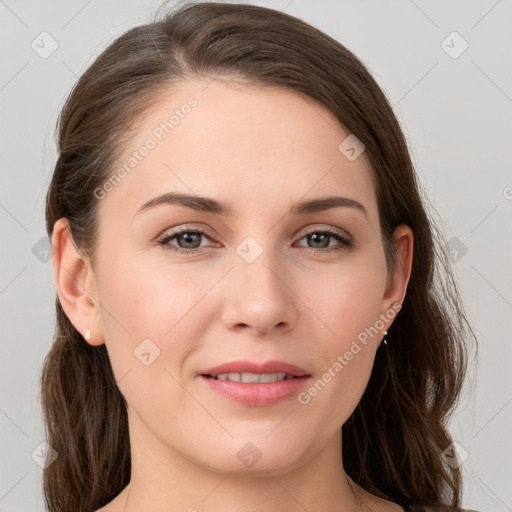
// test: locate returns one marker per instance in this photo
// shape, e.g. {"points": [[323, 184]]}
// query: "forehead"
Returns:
{"points": [[239, 143]]}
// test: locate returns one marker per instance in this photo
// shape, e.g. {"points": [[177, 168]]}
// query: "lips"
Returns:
{"points": [[246, 366], [237, 382]]}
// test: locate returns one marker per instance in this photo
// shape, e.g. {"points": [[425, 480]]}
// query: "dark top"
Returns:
{"points": [[412, 508]]}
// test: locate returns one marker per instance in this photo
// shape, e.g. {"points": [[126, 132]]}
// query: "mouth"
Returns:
{"points": [[254, 372], [256, 384], [259, 378]]}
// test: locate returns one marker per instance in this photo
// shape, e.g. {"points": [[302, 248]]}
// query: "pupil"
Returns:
{"points": [[321, 236], [189, 239]]}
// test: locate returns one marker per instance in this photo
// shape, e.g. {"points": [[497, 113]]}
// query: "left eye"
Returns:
{"points": [[189, 240], [322, 238]]}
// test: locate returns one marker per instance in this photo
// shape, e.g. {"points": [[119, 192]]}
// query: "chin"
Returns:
{"points": [[257, 456]]}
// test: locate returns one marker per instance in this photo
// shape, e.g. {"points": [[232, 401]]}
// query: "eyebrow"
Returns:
{"points": [[209, 205]]}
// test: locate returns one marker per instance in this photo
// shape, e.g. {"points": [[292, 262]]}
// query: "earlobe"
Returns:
{"points": [[75, 283]]}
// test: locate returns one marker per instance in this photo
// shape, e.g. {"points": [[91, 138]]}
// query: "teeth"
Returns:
{"points": [[252, 377]]}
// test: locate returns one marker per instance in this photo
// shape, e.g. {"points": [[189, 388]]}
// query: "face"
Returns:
{"points": [[184, 289]]}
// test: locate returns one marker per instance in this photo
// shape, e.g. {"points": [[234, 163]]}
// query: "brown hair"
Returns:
{"points": [[393, 442]]}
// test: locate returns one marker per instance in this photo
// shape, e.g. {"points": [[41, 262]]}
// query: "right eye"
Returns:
{"points": [[189, 239]]}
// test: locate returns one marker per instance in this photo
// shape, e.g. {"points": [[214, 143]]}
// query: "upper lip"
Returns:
{"points": [[254, 367]]}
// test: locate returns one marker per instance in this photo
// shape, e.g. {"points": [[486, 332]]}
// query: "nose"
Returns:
{"points": [[259, 298]]}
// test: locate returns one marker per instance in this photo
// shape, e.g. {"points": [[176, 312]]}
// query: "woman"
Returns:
{"points": [[253, 309]]}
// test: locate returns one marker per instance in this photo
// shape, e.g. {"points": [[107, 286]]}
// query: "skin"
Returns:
{"points": [[262, 150]]}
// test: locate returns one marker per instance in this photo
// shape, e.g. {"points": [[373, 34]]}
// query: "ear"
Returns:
{"points": [[76, 284], [398, 278]]}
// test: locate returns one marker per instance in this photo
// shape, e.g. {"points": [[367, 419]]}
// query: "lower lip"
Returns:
{"points": [[256, 394]]}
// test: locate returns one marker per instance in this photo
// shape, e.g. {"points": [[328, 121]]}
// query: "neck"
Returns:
{"points": [[163, 479]]}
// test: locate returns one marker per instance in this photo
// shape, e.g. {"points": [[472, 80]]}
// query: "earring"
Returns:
{"points": [[88, 334], [384, 339]]}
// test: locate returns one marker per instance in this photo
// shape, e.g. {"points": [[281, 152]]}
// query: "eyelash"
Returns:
{"points": [[164, 240]]}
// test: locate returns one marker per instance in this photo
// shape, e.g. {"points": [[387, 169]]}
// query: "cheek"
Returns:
{"points": [[152, 318], [347, 300], [144, 300], [147, 297], [348, 305]]}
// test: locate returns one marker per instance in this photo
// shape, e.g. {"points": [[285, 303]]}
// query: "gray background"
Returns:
{"points": [[455, 108]]}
